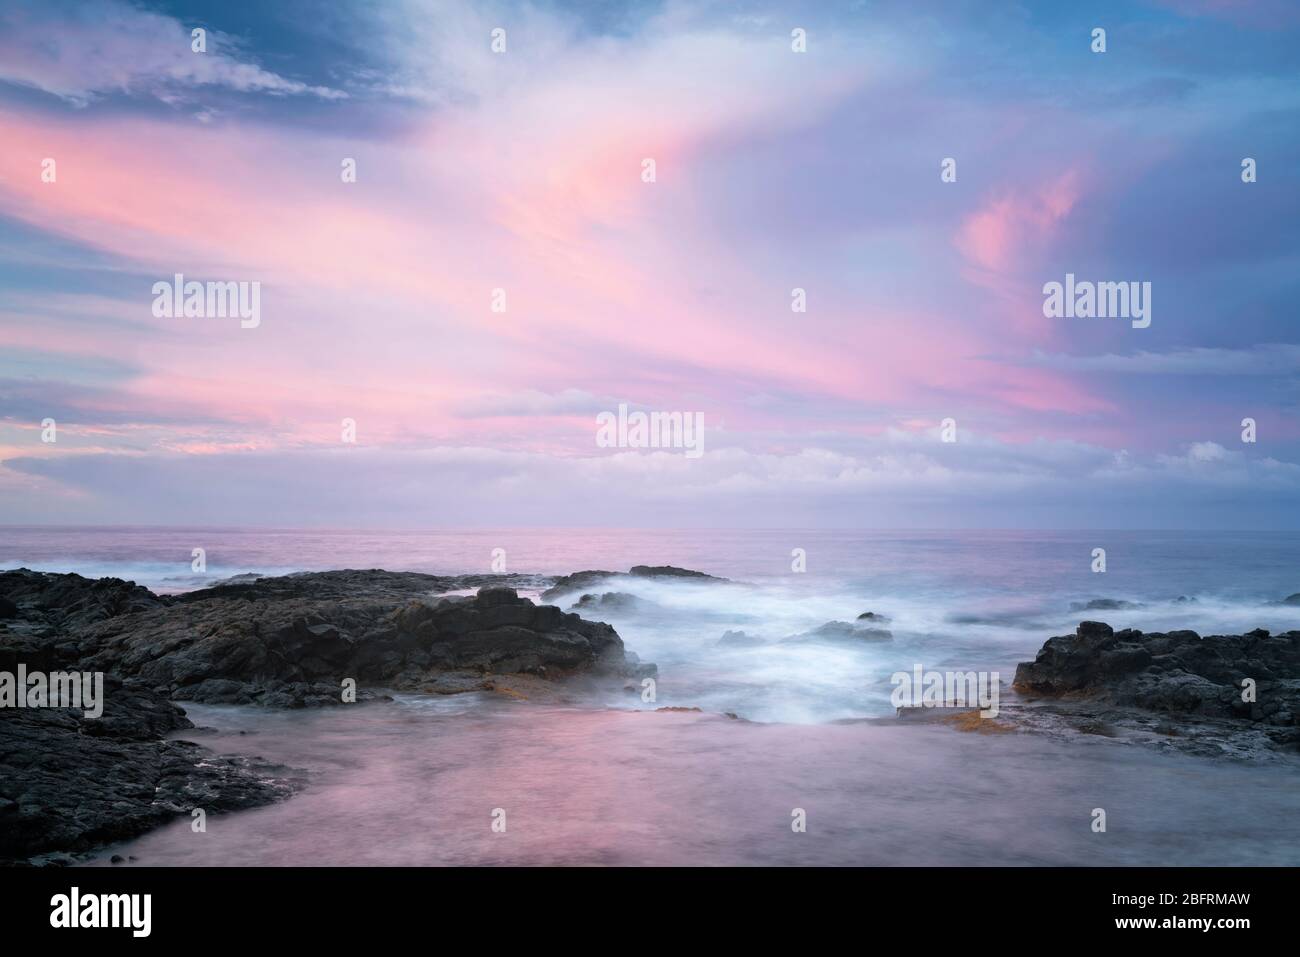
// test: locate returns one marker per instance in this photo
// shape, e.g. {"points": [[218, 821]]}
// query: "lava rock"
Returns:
{"points": [[841, 632], [739, 639], [584, 580], [1177, 671], [69, 783]]}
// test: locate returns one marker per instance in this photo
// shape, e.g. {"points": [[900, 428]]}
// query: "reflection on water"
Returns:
{"points": [[415, 781]]}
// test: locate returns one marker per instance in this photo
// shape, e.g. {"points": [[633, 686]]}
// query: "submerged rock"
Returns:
{"points": [[739, 639], [613, 603], [1104, 604], [843, 631]]}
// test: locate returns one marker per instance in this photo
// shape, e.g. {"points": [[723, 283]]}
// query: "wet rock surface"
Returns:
{"points": [[839, 632], [614, 603], [1221, 694], [69, 782], [585, 580], [292, 641]]}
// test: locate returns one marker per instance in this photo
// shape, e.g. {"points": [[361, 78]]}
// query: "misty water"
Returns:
{"points": [[611, 780]]}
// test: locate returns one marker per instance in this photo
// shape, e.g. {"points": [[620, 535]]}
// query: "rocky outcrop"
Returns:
{"points": [[70, 782], [840, 632], [68, 602], [583, 581], [289, 643], [1104, 604], [613, 603], [875, 617], [1248, 681], [293, 640]]}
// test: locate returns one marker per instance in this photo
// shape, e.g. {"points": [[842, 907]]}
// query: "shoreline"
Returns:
{"points": [[296, 641]]}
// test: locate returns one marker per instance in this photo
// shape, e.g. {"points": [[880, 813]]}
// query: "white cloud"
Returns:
{"points": [[86, 51], [897, 479]]}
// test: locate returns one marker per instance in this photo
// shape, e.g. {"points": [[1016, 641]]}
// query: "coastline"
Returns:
{"points": [[292, 642]]}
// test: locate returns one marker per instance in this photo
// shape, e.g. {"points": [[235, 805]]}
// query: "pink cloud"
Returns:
{"points": [[376, 294], [998, 236]]}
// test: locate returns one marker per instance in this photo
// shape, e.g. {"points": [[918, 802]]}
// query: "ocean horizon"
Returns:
{"points": [[981, 601]]}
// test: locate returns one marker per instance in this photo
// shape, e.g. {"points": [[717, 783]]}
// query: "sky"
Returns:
{"points": [[519, 178]]}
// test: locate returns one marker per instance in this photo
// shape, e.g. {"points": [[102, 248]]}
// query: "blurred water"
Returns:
{"points": [[958, 600], [612, 781], [415, 782], [1011, 569]]}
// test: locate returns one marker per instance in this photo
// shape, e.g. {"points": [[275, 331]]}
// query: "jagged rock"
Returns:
{"points": [[291, 641], [582, 581], [70, 782], [1176, 672], [69, 602], [613, 603]]}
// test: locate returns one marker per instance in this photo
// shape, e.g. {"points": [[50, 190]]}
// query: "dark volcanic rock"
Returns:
{"points": [[69, 601], [583, 581], [873, 616], [1103, 604], [289, 642], [1178, 673], [70, 783], [843, 631], [739, 639], [613, 603], [578, 581], [668, 571], [292, 640]]}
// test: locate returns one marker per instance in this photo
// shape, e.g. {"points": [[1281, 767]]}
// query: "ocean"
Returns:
{"points": [[612, 780]]}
